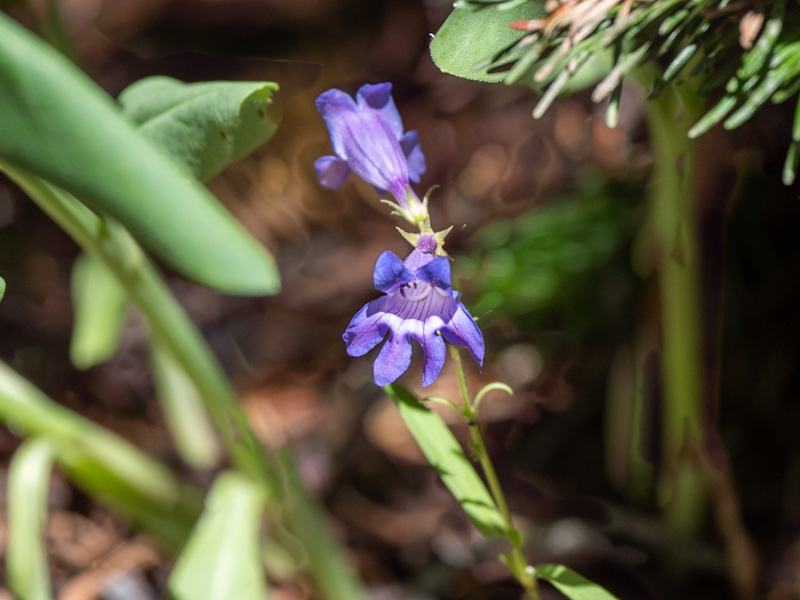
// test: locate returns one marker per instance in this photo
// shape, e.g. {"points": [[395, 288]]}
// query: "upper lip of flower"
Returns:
{"points": [[419, 304], [367, 137]]}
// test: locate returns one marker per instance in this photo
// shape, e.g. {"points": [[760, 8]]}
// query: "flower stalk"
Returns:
{"points": [[515, 560]]}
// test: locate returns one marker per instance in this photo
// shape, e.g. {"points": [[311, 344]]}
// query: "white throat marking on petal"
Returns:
{"points": [[415, 291]]}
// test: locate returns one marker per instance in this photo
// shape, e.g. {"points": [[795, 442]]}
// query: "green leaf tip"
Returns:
{"points": [[222, 558], [28, 486], [572, 584], [203, 126], [56, 124]]}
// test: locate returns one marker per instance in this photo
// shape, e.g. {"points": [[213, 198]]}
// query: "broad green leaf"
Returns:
{"points": [[101, 308], [28, 485], [203, 126], [443, 451], [473, 36], [183, 410], [571, 584], [222, 558], [57, 124]]}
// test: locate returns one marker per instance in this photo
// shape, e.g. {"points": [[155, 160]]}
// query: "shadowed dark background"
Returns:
{"points": [[546, 215]]}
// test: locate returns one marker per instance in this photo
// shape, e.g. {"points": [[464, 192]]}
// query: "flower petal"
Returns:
{"points": [[364, 138], [462, 330], [435, 351], [393, 360], [334, 105], [409, 143], [331, 171], [436, 272], [390, 272], [365, 331], [378, 98], [367, 134]]}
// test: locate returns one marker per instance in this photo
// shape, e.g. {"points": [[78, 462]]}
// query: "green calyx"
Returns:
{"points": [[413, 238]]}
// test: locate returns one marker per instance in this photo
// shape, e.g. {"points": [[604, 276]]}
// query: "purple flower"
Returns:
{"points": [[419, 305], [368, 139]]}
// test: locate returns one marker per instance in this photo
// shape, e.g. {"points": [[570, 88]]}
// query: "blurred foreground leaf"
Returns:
{"points": [[57, 124], [28, 486], [443, 451], [203, 126], [571, 584], [183, 410], [332, 574], [222, 559], [471, 41], [2, 288], [103, 464], [101, 307]]}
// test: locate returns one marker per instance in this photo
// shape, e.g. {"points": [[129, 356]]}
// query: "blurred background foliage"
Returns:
{"points": [[549, 256], [560, 267]]}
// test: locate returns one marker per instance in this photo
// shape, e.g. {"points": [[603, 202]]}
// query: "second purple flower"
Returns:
{"points": [[368, 139]]}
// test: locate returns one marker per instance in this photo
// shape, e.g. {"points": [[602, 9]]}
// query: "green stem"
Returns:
{"points": [[672, 220], [516, 561]]}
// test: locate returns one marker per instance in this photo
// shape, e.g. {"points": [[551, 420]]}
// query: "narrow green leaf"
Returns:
{"points": [[332, 574], [754, 59], [100, 462], [443, 451], [28, 484], [615, 76], [101, 308], [680, 61], [57, 124], [659, 85], [473, 34], [527, 60], [713, 116], [795, 138], [670, 23], [2, 288], [222, 558], [571, 584], [754, 100], [612, 112], [791, 89], [552, 92], [790, 165], [183, 410], [203, 126]]}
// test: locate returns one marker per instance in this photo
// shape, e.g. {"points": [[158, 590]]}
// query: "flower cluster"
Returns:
{"points": [[419, 303]]}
